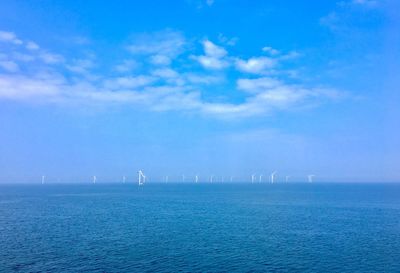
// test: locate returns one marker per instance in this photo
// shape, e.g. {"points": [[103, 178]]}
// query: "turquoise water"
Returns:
{"points": [[200, 228]]}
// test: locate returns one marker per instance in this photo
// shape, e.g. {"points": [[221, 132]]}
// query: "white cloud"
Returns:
{"points": [[291, 55], [227, 41], [343, 19], [211, 62], [270, 50], [257, 85], [209, 2], [23, 57], [25, 88], [212, 50], [50, 58], [160, 59], [214, 57], [368, 3], [255, 65], [167, 43], [139, 90], [203, 79], [81, 66], [126, 66], [32, 45], [128, 82], [9, 66], [6, 36], [161, 88], [167, 73]]}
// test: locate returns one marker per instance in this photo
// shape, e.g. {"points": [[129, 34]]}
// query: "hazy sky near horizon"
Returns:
{"points": [[199, 87]]}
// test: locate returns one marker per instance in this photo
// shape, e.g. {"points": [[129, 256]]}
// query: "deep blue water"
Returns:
{"points": [[200, 228]]}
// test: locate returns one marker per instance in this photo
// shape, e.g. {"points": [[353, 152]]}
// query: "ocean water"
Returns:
{"points": [[200, 228]]}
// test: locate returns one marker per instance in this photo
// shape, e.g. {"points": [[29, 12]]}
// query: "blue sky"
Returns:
{"points": [[199, 87]]}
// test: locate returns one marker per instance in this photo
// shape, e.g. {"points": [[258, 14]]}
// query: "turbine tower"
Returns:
{"points": [[94, 179], [259, 180], [123, 179], [273, 177], [211, 178], [142, 178], [183, 178], [253, 176], [310, 178], [43, 178], [231, 178], [196, 180], [287, 178], [166, 179]]}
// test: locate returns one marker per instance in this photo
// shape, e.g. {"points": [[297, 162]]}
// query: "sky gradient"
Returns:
{"points": [[199, 87]]}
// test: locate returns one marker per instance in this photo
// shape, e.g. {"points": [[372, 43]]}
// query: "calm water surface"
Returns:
{"points": [[200, 228]]}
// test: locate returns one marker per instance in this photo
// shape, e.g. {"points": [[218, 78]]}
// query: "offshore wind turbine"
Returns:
{"points": [[231, 178], [123, 179], [43, 178], [183, 178], [142, 178], [259, 180], [253, 176], [94, 179], [211, 178], [287, 178], [310, 178], [196, 179], [166, 179], [273, 177]]}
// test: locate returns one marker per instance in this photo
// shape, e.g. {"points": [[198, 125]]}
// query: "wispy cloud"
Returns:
{"points": [[257, 85], [367, 3], [270, 50], [209, 2], [214, 57], [256, 65], [160, 59], [51, 58], [347, 15], [81, 66], [10, 66], [128, 82], [126, 66], [158, 84], [227, 41], [6, 36], [166, 43], [32, 45]]}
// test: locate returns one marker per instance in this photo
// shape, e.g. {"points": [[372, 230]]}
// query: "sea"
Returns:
{"points": [[319, 227]]}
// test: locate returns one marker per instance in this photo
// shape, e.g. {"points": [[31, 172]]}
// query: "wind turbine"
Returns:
{"points": [[166, 179], [259, 180], [94, 179], [287, 178], [43, 178], [123, 179], [222, 179], [196, 180], [252, 178], [142, 178], [183, 178], [273, 177], [211, 178], [310, 178], [231, 178]]}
